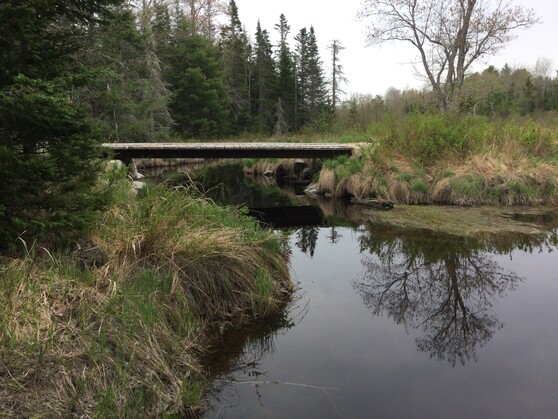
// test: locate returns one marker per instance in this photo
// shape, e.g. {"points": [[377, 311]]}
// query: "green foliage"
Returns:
{"points": [[49, 150], [48, 145], [249, 162], [235, 48], [431, 137], [264, 82], [200, 105], [122, 87]]}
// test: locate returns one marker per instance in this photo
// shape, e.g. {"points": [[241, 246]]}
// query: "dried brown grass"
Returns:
{"points": [[121, 339]]}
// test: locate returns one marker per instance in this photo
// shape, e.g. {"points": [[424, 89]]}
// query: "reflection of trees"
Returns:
{"points": [[334, 235], [444, 287], [307, 238]]}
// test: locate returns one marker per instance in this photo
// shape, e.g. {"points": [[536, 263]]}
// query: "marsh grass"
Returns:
{"points": [[450, 159], [122, 339]]}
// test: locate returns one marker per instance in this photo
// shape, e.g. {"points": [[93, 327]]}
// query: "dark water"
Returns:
{"points": [[412, 326], [401, 324]]}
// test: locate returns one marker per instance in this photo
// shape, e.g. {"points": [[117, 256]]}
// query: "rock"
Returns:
{"points": [[312, 190]]}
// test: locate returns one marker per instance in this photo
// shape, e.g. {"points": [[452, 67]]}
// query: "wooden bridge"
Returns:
{"points": [[126, 151]]}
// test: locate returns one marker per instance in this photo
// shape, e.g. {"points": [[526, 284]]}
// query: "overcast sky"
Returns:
{"points": [[372, 70]]}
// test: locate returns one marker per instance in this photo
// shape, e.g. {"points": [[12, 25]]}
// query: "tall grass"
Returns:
{"points": [[122, 339], [431, 137], [450, 159]]}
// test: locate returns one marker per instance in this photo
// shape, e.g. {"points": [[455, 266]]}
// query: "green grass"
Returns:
{"points": [[123, 339], [419, 185], [404, 177], [344, 166]]}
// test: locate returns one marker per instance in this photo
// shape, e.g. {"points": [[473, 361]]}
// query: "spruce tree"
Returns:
{"points": [[302, 61], [200, 105], [286, 84], [236, 52], [155, 95], [49, 148], [316, 86], [264, 81]]}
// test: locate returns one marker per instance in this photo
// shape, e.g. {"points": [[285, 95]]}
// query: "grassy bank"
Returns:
{"points": [[449, 159], [115, 327]]}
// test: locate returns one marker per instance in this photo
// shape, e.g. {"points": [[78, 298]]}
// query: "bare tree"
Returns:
{"points": [[450, 35], [337, 73], [202, 15]]}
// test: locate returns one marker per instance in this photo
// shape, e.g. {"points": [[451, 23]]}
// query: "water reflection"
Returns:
{"points": [[307, 238], [444, 287], [236, 356]]}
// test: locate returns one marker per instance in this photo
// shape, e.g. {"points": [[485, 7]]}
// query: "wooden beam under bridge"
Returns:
{"points": [[125, 151]]}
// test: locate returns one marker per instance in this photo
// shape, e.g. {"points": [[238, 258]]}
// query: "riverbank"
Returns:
{"points": [[116, 326], [447, 160]]}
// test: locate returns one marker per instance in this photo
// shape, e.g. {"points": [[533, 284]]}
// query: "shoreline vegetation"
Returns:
{"points": [[117, 326], [444, 159]]}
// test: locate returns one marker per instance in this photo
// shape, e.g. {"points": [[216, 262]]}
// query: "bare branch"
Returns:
{"points": [[449, 35]]}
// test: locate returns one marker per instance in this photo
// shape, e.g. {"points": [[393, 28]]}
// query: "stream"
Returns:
{"points": [[393, 323]]}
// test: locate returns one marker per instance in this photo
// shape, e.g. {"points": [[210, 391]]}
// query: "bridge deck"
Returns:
{"points": [[124, 151]]}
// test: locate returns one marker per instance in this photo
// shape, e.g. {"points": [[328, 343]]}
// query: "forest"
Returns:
{"points": [[74, 75]]}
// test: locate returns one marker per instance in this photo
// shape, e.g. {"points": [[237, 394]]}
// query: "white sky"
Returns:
{"points": [[372, 70]]}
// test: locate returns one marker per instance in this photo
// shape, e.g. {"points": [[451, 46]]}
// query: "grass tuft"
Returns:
{"points": [[122, 339]]}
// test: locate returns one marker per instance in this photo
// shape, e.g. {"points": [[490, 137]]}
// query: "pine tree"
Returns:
{"points": [[236, 52], [264, 81], [286, 84]]}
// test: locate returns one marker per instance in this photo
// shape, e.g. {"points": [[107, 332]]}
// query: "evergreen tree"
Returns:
{"points": [[236, 63], [109, 91], [317, 91], [48, 147], [200, 106], [302, 62], [264, 81], [286, 83], [125, 91]]}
